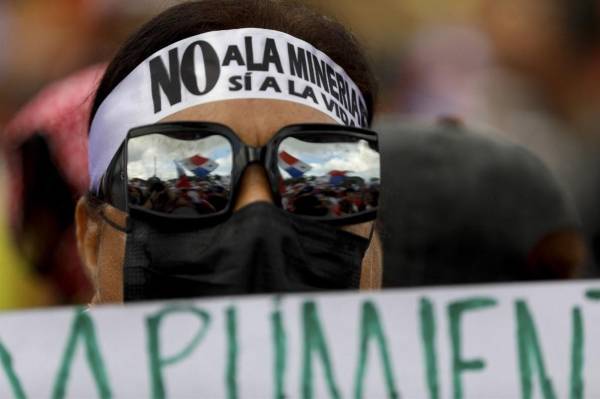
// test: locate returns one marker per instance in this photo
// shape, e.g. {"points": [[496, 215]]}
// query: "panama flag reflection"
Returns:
{"points": [[292, 165], [199, 165], [337, 177]]}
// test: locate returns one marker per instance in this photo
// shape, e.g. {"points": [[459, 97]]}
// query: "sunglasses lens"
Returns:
{"points": [[328, 176], [176, 174]]}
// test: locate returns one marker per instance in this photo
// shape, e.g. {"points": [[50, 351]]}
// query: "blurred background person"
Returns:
{"points": [[45, 153], [547, 96], [43, 126], [526, 71], [458, 207]]}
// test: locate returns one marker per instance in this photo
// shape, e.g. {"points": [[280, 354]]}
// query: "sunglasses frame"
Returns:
{"points": [[114, 189]]}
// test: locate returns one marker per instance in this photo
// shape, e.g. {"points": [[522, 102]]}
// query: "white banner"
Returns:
{"points": [[487, 341]]}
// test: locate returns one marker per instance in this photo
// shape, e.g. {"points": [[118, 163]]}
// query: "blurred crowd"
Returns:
{"points": [[183, 195], [330, 195], [528, 71], [313, 196]]}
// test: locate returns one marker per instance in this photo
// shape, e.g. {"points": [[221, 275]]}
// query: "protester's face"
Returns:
{"points": [[255, 121]]}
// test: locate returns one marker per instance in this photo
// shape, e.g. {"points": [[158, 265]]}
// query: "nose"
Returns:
{"points": [[254, 187]]}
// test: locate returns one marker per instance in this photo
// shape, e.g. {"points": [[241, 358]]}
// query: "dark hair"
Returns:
{"points": [[192, 18]]}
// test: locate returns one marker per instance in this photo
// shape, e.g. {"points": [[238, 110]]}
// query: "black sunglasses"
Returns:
{"points": [[191, 170]]}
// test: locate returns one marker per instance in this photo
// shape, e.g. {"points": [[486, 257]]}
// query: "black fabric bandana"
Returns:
{"points": [[259, 249]]}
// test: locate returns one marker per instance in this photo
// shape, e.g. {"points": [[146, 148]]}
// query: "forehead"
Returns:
{"points": [[255, 121]]}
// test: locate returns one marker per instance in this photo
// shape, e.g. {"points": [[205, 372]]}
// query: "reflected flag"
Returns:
{"points": [[337, 177], [198, 165], [182, 180], [292, 165]]}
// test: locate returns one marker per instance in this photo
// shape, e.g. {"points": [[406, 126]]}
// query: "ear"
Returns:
{"points": [[88, 226]]}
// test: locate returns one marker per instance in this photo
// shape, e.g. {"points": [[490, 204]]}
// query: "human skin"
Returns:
{"points": [[255, 121]]}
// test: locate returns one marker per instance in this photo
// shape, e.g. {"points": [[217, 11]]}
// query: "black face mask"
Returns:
{"points": [[259, 249]]}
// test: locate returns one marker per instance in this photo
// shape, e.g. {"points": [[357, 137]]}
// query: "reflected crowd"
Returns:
{"points": [[312, 196], [180, 196], [332, 196]]}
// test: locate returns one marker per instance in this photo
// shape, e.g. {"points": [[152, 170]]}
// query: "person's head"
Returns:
{"points": [[462, 207], [550, 41], [254, 118], [44, 151]]}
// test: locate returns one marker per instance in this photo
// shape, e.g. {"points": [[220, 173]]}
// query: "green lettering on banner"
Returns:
{"points": [[232, 351], [279, 340], [371, 328], [83, 326], [153, 327], [593, 294], [428, 337], [314, 340], [13, 380], [577, 384], [529, 350], [455, 311]]}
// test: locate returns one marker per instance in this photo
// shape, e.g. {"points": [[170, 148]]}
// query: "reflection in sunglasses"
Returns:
{"points": [[328, 179], [180, 177], [323, 176]]}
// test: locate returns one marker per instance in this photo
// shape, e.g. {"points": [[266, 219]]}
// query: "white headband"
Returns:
{"points": [[221, 65]]}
